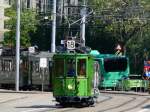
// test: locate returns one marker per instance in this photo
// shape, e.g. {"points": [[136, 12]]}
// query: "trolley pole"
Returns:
{"points": [[53, 27], [17, 45]]}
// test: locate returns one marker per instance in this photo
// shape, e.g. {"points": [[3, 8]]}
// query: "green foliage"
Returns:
{"points": [[122, 20], [27, 25]]}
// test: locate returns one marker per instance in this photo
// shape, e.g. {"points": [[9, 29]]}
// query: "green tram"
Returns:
{"points": [[74, 79], [112, 69]]}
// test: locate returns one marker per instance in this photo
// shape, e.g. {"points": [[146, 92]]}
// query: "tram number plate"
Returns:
{"points": [[70, 44]]}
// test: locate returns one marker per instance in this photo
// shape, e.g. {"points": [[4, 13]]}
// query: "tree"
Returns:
{"points": [[124, 20], [28, 26]]}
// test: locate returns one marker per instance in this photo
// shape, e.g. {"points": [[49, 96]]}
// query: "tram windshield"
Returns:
{"points": [[59, 67], [115, 64], [82, 67], [70, 66]]}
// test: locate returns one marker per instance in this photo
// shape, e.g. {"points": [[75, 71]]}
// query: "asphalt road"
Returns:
{"points": [[44, 102]]}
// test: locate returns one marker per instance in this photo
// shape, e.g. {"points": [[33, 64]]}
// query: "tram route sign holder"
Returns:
{"points": [[71, 44], [43, 62]]}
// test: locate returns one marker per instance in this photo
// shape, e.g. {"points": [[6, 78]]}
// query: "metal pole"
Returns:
{"points": [[53, 28], [83, 24], [17, 45], [43, 78]]}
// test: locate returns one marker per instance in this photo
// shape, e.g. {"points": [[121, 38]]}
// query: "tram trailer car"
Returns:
{"points": [[74, 79], [8, 72], [113, 69], [39, 75], [31, 76]]}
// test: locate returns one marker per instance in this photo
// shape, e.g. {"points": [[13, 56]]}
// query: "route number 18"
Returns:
{"points": [[70, 44]]}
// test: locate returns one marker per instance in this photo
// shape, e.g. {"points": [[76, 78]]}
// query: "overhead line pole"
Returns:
{"points": [[83, 13], [53, 43], [17, 46]]}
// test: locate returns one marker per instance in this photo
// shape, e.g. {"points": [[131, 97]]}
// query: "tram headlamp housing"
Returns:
{"points": [[70, 87]]}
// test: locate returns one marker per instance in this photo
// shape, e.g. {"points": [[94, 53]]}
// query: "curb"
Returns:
{"points": [[126, 93], [24, 92]]}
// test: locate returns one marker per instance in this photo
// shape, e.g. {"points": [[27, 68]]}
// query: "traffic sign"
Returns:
{"points": [[118, 47]]}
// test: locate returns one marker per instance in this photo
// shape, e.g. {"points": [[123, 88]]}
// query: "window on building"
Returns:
{"points": [[28, 4]]}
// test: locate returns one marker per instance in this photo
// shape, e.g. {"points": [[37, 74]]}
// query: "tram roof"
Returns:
{"points": [[38, 54], [107, 56], [71, 54]]}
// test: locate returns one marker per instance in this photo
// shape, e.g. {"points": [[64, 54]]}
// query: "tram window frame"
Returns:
{"points": [[25, 65], [70, 67], [36, 67], [59, 67], [0, 64], [7, 65], [115, 64], [82, 72]]}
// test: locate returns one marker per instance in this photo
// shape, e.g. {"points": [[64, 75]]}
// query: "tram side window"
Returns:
{"points": [[0, 65], [70, 67], [82, 67], [115, 64], [25, 64], [59, 67], [36, 66], [7, 65]]}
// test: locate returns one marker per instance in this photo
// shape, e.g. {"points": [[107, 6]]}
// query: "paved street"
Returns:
{"points": [[44, 102]]}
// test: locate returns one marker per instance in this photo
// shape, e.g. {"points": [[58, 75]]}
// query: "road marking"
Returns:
{"points": [[144, 110]]}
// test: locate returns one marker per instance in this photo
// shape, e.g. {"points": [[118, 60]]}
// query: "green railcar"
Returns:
{"points": [[134, 82], [74, 78], [113, 68]]}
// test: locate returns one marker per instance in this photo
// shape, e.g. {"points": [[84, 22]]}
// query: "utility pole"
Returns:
{"points": [[53, 28], [45, 6], [17, 45], [83, 14]]}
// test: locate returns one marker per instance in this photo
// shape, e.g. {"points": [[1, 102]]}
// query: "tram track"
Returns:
{"points": [[73, 108], [118, 106], [134, 99], [107, 102], [110, 109], [131, 108]]}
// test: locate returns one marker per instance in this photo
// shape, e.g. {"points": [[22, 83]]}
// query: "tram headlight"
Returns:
{"points": [[70, 87]]}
